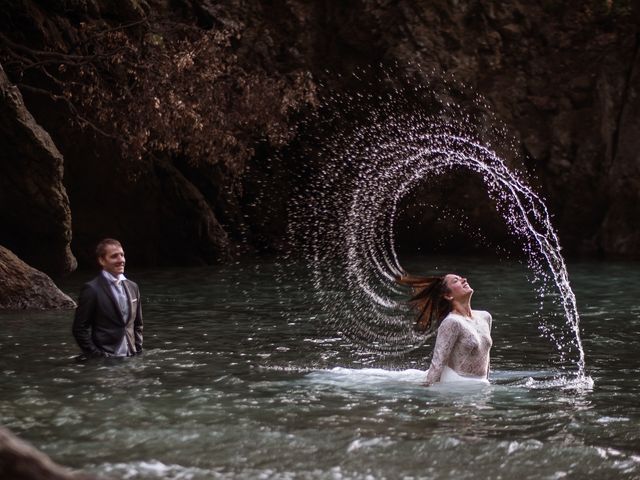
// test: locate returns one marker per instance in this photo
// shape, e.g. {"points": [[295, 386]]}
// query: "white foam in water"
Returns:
{"points": [[156, 469], [385, 381], [371, 375], [346, 223]]}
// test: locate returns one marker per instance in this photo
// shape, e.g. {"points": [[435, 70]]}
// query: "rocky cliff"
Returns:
{"points": [[34, 208], [562, 77], [179, 121]]}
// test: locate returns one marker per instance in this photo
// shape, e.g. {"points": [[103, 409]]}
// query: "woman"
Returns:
{"points": [[463, 337]]}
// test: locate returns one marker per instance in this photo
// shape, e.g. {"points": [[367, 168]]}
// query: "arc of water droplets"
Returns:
{"points": [[354, 232]]}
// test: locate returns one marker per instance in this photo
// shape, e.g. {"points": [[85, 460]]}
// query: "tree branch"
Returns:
{"points": [[72, 108]]}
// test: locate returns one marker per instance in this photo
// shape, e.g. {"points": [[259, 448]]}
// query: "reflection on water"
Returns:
{"points": [[228, 387]]}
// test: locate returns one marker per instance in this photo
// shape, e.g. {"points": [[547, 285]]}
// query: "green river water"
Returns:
{"points": [[239, 381]]}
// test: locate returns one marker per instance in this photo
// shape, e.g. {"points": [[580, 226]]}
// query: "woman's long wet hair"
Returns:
{"points": [[428, 300]]}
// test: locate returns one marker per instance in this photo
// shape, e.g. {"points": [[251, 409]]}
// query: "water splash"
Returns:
{"points": [[345, 222]]}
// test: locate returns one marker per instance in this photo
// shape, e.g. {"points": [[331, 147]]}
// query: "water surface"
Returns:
{"points": [[230, 387]]}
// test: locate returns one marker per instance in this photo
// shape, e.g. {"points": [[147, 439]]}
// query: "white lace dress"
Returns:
{"points": [[462, 349]]}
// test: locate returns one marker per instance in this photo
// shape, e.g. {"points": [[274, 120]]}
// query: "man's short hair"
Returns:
{"points": [[101, 248]]}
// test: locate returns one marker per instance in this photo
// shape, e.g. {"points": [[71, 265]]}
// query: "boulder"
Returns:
{"points": [[22, 286], [21, 461]]}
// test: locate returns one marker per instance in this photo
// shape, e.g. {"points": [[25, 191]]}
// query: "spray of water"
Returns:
{"points": [[345, 220]]}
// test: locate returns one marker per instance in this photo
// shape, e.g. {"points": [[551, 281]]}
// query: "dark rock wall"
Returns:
{"points": [[620, 232], [562, 78], [35, 217]]}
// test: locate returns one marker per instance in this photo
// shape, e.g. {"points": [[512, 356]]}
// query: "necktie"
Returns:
{"points": [[122, 297]]}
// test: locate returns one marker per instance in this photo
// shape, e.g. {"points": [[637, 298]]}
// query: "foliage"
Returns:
{"points": [[163, 86]]}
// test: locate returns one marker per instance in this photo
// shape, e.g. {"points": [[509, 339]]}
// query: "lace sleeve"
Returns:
{"points": [[446, 339]]}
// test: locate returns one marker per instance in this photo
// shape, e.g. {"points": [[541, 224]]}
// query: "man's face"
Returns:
{"points": [[113, 260]]}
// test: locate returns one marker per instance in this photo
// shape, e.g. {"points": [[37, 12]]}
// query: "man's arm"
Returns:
{"points": [[137, 323], [83, 319]]}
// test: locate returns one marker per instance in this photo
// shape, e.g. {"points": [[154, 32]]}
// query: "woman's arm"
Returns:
{"points": [[446, 339]]}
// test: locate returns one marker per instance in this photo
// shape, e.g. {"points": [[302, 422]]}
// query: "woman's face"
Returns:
{"points": [[458, 287]]}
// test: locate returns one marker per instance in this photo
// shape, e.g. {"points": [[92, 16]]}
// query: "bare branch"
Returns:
{"points": [[71, 107]]}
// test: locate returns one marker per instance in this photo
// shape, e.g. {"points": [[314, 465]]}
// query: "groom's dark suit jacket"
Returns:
{"points": [[99, 326]]}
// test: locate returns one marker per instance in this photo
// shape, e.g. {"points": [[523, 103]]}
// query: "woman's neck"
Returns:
{"points": [[462, 308]]}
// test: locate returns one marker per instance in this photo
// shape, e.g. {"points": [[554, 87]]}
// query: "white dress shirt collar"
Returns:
{"points": [[113, 279]]}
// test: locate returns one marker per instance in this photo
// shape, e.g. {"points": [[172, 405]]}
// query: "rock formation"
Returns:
{"points": [[21, 461], [24, 287], [562, 78], [34, 208], [126, 167], [620, 233]]}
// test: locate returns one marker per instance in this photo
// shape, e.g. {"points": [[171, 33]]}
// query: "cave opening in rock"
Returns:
{"points": [[452, 213]]}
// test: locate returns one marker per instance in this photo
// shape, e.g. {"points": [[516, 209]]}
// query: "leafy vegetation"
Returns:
{"points": [[160, 86]]}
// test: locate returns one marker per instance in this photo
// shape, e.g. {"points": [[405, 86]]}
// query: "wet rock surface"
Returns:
{"points": [[34, 207], [21, 461], [23, 287]]}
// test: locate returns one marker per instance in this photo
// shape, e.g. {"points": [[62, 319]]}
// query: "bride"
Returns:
{"points": [[463, 341]]}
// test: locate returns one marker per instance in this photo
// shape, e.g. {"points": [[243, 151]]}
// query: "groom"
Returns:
{"points": [[108, 320]]}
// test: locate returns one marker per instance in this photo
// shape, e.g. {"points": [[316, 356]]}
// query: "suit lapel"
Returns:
{"points": [[108, 291]]}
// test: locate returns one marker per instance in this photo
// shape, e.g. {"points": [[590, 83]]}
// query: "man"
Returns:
{"points": [[108, 320]]}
